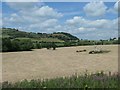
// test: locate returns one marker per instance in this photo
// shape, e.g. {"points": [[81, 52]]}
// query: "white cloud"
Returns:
{"points": [[117, 6], [49, 23], [47, 11], [36, 18], [32, 17], [32, 10], [95, 9], [45, 24], [115, 9], [112, 10], [100, 23], [101, 28], [75, 20], [83, 29]]}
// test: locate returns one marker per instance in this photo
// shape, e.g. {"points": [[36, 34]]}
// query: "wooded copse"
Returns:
{"points": [[16, 45]]}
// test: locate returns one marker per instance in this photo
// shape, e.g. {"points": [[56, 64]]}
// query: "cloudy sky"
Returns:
{"points": [[86, 20]]}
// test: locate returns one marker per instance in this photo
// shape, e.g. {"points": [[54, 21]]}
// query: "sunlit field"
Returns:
{"points": [[46, 64]]}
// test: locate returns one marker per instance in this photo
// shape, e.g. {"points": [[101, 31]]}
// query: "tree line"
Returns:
{"points": [[10, 45]]}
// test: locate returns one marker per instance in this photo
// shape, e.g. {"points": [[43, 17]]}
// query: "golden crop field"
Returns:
{"points": [[65, 61]]}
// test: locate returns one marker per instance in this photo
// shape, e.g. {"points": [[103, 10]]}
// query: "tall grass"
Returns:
{"points": [[98, 80]]}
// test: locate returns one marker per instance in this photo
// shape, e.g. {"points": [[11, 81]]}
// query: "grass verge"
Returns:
{"points": [[97, 80]]}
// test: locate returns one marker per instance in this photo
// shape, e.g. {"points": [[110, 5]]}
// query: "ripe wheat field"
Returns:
{"points": [[65, 61]]}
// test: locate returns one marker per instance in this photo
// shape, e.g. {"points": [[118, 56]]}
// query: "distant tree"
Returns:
{"points": [[118, 40], [48, 45], [102, 42], [114, 38], [26, 44], [54, 46], [38, 45]]}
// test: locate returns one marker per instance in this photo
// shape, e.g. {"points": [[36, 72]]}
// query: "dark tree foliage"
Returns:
{"points": [[119, 40], [6, 44], [50, 45], [54, 46], [16, 45], [38, 46]]}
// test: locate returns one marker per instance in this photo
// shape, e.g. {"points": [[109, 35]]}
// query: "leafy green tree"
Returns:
{"points": [[16, 45], [26, 44], [6, 44], [38, 46]]}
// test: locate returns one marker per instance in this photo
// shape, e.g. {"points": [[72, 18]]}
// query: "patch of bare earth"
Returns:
{"points": [[43, 63]]}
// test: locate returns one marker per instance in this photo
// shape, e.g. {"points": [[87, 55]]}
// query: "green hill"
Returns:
{"points": [[42, 37], [16, 40]]}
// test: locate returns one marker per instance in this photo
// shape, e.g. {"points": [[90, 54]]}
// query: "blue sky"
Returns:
{"points": [[86, 20]]}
